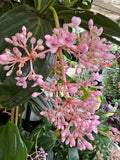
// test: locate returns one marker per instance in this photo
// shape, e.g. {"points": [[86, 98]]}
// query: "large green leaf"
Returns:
{"points": [[11, 144], [47, 142], [38, 104], [11, 23], [110, 27], [50, 155], [73, 154]]}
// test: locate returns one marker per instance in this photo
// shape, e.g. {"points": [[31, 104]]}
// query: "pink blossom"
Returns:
{"points": [[8, 40], [109, 56], [97, 76], [19, 73], [90, 24], [39, 80], [21, 81], [76, 21], [88, 145], [4, 59], [78, 70], [84, 48], [52, 42], [72, 90], [9, 72], [33, 40]]}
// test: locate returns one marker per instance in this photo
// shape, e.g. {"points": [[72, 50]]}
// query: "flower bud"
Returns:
{"points": [[19, 73], [76, 21], [90, 24], [3, 59], [33, 40], [8, 40]]}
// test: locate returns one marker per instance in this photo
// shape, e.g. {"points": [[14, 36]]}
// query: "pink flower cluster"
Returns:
{"points": [[74, 103], [75, 119], [87, 46], [41, 155], [21, 54]]}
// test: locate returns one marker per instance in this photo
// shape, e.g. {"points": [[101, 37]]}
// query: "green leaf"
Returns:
{"points": [[11, 23], [11, 144], [68, 55], [29, 144], [84, 4], [110, 114], [47, 142], [73, 154], [38, 104], [50, 155], [46, 6], [86, 93], [110, 28]]}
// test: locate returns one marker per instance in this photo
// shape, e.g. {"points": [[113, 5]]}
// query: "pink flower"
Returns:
{"points": [[84, 48], [21, 81], [72, 141], [109, 56], [97, 76], [78, 70], [39, 80], [52, 42], [89, 146], [4, 59], [76, 21], [35, 94], [90, 24], [72, 90]]}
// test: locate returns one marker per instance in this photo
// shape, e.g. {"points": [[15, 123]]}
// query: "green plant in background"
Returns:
{"points": [[36, 15], [111, 79]]}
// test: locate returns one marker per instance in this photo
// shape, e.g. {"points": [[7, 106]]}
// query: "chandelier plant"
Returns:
{"points": [[74, 104]]}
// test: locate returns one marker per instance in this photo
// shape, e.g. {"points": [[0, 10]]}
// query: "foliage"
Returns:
{"points": [[11, 144], [111, 80]]}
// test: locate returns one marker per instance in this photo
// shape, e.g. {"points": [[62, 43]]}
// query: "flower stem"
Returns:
{"points": [[62, 65], [16, 115], [36, 141], [12, 114], [63, 72], [60, 51], [39, 5], [55, 17]]}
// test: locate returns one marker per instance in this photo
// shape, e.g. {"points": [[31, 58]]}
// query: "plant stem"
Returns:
{"points": [[39, 5], [20, 122], [12, 114], [60, 50], [62, 65], [46, 6], [36, 141], [63, 71], [11, 4], [16, 115], [55, 17]]}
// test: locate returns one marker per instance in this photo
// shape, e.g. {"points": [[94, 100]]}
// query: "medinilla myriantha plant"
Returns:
{"points": [[34, 51]]}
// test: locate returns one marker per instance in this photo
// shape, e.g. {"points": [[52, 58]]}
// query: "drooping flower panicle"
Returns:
{"points": [[74, 103]]}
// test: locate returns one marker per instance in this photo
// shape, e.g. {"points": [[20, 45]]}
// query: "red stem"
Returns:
{"points": [[62, 65], [63, 71]]}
